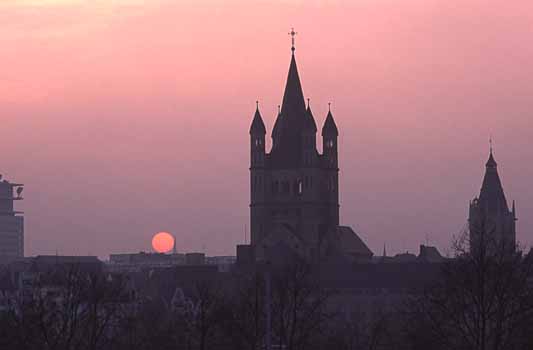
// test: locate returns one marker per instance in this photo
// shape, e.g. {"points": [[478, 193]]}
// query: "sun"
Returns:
{"points": [[163, 242]]}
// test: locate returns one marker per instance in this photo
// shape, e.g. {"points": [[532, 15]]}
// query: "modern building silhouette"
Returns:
{"points": [[11, 222], [294, 189], [490, 219]]}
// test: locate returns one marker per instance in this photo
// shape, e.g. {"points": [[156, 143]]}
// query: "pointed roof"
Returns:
{"points": [[311, 124], [351, 243], [257, 123], [492, 196], [292, 121], [491, 162], [293, 97], [329, 125], [277, 125]]}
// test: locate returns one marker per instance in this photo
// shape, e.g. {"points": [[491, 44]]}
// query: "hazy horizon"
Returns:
{"points": [[125, 118]]}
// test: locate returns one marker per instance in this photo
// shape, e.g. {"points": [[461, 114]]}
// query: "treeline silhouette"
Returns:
{"points": [[483, 299]]}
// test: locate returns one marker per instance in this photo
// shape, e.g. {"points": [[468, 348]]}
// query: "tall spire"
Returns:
{"points": [[491, 163], [293, 120], [293, 97]]}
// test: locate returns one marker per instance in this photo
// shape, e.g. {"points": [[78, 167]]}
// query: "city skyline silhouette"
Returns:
{"points": [[266, 175]]}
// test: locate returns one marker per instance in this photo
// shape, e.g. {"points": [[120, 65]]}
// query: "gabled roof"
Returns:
{"points": [[351, 243], [429, 254]]}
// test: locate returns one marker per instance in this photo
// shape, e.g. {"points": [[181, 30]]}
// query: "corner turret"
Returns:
{"points": [[257, 140], [330, 134]]}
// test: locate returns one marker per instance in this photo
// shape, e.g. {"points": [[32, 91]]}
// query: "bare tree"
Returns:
{"points": [[298, 305], [481, 301], [245, 311], [68, 309], [203, 322]]}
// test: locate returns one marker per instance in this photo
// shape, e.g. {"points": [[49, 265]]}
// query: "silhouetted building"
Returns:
{"points": [[489, 213], [429, 254], [11, 222], [194, 259], [136, 260], [224, 263], [294, 188]]}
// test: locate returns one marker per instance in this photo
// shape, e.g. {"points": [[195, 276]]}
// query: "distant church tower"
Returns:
{"points": [[489, 213], [294, 189]]}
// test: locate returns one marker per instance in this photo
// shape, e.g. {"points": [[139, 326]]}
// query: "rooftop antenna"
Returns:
{"points": [[490, 143], [174, 252], [329, 106], [257, 104], [384, 250]]}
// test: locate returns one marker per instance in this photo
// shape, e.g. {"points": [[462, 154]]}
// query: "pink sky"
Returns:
{"points": [[128, 117]]}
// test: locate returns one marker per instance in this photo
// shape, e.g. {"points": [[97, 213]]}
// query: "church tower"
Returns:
{"points": [[294, 189], [491, 223]]}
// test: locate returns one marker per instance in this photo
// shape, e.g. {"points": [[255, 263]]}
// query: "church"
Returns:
{"points": [[294, 204], [491, 223], [294, 190]]}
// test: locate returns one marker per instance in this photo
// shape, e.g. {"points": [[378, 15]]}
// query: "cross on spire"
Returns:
{"points": [[292, 33]]}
